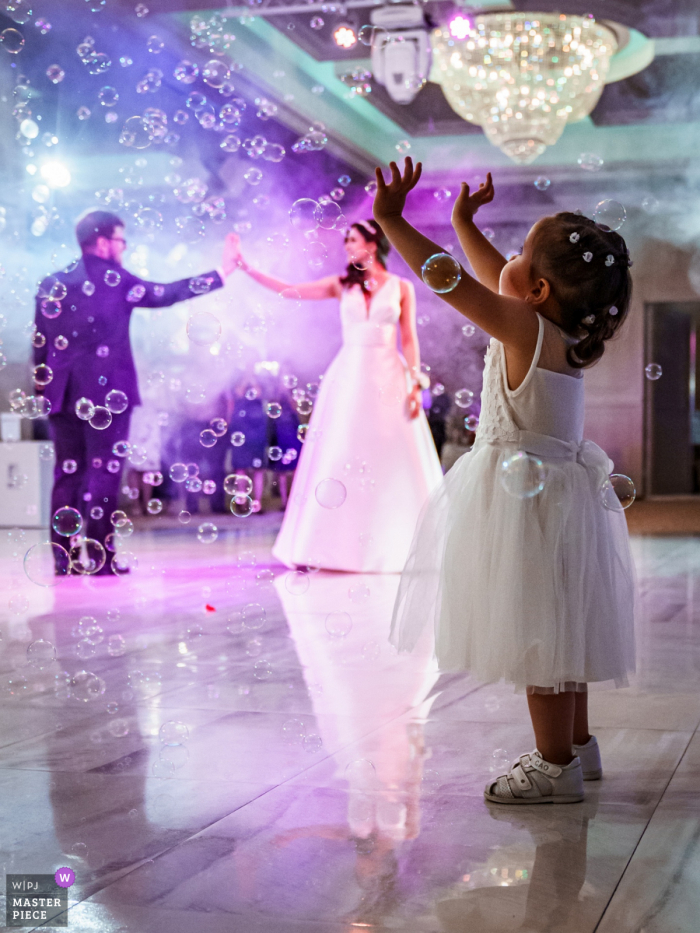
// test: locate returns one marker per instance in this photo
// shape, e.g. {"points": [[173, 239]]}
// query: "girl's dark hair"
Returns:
{"points": [[355, 276], [587, 266]]}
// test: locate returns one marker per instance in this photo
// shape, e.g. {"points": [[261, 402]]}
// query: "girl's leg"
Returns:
{"points": [[552, 717], [258, 480], [581, 733], [284, 488]]}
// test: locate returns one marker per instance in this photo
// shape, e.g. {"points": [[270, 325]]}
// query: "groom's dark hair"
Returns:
{"points": [[94, 224]]}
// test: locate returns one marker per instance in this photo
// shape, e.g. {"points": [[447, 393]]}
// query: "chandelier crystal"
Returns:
{"points": [[522, 76]]}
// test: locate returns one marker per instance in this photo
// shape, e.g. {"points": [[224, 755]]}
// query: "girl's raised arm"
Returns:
{"points": [[509, 320]]}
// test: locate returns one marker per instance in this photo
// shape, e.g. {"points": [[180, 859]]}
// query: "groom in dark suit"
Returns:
{"points": [[82, 335]]}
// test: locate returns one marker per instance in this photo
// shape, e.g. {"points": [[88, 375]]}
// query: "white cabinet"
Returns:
{"points": [[25, 485]]}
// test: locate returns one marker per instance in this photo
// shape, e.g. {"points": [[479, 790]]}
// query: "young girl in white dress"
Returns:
{"points": [[521, 558]]}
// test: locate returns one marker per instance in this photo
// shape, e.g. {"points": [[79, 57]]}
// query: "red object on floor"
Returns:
{"points": [[210, 608]]}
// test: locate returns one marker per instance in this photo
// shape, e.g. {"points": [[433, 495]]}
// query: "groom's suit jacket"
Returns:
{"points": [[94, 318]]}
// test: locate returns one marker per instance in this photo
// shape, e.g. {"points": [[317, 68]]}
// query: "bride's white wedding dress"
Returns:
{"points": [[362, 444]]}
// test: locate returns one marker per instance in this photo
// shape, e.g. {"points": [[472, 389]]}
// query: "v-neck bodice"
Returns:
{"points": [[374, 322]]}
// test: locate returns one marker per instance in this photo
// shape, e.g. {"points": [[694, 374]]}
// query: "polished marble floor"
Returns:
{"points": [[251, 755]]}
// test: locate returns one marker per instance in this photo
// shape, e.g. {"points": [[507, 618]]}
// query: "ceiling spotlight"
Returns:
{"points": [[344, 36], [401, 51]]}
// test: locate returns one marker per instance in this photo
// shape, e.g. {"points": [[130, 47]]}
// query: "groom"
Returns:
{"points": [[82, 335]]}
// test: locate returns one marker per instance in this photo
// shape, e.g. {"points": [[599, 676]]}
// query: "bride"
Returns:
{"points": [[369, 461]]}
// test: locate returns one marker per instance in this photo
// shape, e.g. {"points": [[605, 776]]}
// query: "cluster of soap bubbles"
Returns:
{"points": [[312, 141]]}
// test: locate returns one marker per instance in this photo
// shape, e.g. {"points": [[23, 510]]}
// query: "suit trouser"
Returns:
{"points": [[91, 484]]}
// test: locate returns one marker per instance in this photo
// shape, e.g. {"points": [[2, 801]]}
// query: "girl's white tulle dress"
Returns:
{"points": [[366, 468], [538, 590]]}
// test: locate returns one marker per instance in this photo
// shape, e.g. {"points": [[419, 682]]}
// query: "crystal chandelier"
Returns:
{"points": [[522, 76]]}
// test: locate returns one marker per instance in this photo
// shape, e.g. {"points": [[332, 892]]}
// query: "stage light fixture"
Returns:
{"points": [[55, 174], [401, 51], [344, 36]]}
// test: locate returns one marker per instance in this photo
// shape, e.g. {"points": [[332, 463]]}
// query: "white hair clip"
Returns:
{"points": [[609, 260], [574, 237], [589, 320], [613, 311], [587, 256]]}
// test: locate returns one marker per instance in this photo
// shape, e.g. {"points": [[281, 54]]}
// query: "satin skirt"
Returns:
{"points": [[366, 468]]}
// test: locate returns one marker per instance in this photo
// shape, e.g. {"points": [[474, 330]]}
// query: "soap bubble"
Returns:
{"points": [[154, 506], [653, 371], [471, 422], [86, 686], [116, 401], [203, 329], [371, 35], [338, 624], [238, 484], [542, 183], [650, 204], [327, 215], [441, 273], [262, 670], [241, 505], [69, 466], [522, 475], [67, 521], [88, 556], [137, 133], [199, 285], [610, 215], [112, 278], [464, 398], [116, 646], [296, 582], [312, 742], [46, 563], [101, 418], [293, 731], [173, 732], [469, 330], [303, 214], [330, 493], [207, 533], [253, 617], [215, 73], [55, 74], [12, 40], [275, 453], [43, 374], [358, 593], [238, 438], [590, 162], [618, 492], [41, 654], [207, 438], [361, 774], [124, 562]]}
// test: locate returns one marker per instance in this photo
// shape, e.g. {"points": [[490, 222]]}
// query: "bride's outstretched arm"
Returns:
{"points": [[328, 287]]}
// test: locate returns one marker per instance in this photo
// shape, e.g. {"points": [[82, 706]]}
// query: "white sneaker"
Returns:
{"points": [[591, 765], [534, 780]]}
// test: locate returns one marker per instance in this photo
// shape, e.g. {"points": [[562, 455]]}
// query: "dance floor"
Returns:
{"points": [[262, 760]]}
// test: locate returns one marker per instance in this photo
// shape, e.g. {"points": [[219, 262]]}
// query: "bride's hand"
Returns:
{"points": [[232, 258], [415, 401]]}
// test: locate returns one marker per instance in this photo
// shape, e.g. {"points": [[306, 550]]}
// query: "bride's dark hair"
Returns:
{"points": [[371, 232]]}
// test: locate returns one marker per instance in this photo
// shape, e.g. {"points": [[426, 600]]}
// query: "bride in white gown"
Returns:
{"points": [[369, 462]]}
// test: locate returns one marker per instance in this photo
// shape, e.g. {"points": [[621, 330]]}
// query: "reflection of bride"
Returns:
{"points": [[369, 462]]}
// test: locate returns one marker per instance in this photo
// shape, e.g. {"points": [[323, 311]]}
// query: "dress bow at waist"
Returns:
{"points": [[547, 447]]}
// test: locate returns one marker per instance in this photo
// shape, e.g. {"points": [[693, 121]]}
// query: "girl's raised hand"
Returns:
{"points": [[468, 204], [390, 198]]}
